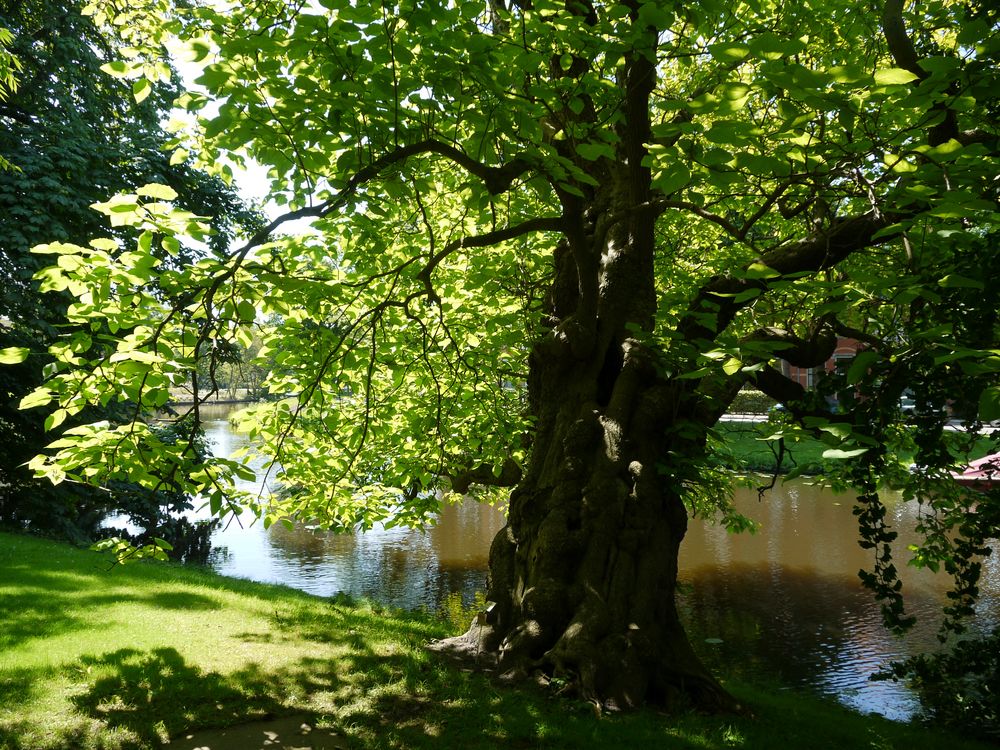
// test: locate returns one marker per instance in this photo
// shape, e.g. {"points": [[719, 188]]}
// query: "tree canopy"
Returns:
{"points": [[542, 245]]}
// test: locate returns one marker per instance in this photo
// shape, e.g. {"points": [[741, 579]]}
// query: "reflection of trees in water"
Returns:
{"points": [[802, 628], [464, 532], [787, 603], [408, 568]]}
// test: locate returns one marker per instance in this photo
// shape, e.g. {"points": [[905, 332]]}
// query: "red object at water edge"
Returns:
{"points": [[982, 474]]}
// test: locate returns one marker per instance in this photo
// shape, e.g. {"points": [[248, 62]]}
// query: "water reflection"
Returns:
{"points": [[407, 568], [783, 604], [787, 603], [401, 567]]}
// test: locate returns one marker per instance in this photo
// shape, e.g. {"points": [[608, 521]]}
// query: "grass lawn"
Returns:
{"points": [[748, 452], [93, 656], [745, 450]]}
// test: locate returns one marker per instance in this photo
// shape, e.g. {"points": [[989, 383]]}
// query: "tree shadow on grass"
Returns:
{"points": [[156, 693], [36, 613], [377, 695], [387, 690], [407, 698], [18, 686]]}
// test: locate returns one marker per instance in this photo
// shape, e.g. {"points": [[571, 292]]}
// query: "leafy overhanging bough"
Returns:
{"points": [[548, 245], [73, 135]]}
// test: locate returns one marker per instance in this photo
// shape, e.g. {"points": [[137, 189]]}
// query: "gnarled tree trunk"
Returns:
{"points": [[583, 576]]}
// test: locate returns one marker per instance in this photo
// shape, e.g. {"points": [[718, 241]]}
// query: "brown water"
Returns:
{"points": [[787, 603], [784, 604]]}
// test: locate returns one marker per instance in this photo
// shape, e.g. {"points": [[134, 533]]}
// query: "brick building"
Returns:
{"points": [[807, 376]]}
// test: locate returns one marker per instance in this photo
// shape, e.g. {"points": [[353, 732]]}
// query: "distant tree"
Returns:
{"points": [[549, 243], [72, 135]]}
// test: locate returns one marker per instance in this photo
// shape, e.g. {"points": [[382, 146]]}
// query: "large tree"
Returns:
{"points": [[546, 245]]}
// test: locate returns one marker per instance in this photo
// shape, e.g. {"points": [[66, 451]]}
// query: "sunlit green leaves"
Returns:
{"points": [[13, 355], [839, 454], [399, 353], [771, 46], [728, 52], [893, 76], [141, 89], [155, 190]]}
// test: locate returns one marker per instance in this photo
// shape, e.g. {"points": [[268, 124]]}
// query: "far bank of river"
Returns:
{"points": [[784, 604]]}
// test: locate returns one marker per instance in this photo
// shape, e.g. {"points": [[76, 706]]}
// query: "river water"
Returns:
{"points": [[784, 604]]}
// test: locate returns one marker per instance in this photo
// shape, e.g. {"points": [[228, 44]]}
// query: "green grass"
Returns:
{"points": [[94, 656], [745, 450]]}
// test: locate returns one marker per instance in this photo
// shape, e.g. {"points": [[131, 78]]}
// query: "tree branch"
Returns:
{"points": [[720, 296], [661, 205], [798, 351], [777, 386], [510, 475], [538, 224], [902, 49], [905, 56]]}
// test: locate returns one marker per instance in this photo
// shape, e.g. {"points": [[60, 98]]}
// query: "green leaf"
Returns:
{"points": [[888, 231], [770, 46], [141, 89], [12, 355], [673, 178], [891, 76], [989, 404], [118, 68], [740, 297], [728, 52], [158, 191], [171, 245], [761, 271], [862, 362], [55, 419], [837, 429], [899, 165], [38, 397], [595, 151], [839, 454], [957, 281], [732, 366], [246, 311]]}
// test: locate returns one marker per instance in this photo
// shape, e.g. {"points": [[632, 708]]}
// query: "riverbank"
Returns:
{"points": [[131, 656]]}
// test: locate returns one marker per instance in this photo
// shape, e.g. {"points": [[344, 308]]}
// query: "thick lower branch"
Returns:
{"points": [[484, 475], [722, 296]]}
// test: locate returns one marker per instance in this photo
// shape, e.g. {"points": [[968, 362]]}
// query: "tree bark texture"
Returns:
{"points": [[583, 577]]}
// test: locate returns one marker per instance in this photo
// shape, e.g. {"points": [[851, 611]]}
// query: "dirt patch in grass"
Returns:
{"points": [[288, 733]]}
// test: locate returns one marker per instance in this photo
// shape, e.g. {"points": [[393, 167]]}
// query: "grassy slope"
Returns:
{"points": [[92, 656]]}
